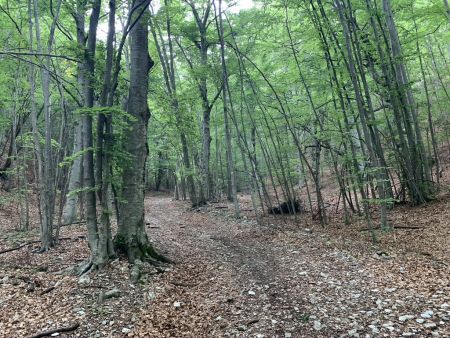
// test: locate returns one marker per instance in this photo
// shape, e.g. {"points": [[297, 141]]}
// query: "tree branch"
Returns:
{"points": [[39, 54], [57, 330]]}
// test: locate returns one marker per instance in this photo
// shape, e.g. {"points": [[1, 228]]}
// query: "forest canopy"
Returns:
{"points": [[266, 98]]}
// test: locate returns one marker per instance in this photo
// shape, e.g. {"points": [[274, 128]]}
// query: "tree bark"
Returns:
{"points": [[131, 238]]}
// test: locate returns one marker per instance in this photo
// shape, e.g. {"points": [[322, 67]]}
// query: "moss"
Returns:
{"points": [[120, 244], [150, 251], [133, 248]]}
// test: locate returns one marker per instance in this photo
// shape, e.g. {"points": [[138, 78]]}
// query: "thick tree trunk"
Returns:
{"points": [[98, 234], [131, 238]]}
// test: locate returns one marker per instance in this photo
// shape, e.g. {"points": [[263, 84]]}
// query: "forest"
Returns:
{"points": [[224, 168]]}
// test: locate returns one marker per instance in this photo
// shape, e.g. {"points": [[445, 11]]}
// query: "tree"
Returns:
{"points": [[131, 238]]}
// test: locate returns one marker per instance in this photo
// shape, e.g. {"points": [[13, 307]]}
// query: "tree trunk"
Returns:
{"points": [[131, 238], [98, 235], [70, 209], [231, 184], [47, 177]]}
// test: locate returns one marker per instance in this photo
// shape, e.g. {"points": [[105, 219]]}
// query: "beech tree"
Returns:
{"points": [[131, 237]]}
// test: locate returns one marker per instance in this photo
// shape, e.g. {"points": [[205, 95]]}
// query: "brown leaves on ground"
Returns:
{"points": [[236, 278]]}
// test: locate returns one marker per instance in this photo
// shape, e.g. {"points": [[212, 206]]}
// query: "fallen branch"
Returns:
{"points": [[406, 227], [38, 241], [57, 330], [51, 288], [182, 284], [19, 247], [71, 223]]}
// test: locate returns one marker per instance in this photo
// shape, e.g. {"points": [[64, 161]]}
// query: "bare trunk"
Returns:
{"points": [[70, 209], [131, 238]]}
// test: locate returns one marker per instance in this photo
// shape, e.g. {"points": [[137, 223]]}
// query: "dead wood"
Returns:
{"points": [[182, 284], [19, 247], [406, 227], [51, 288], [57, 330], [253, 321], [38, 241], [73, 223]]}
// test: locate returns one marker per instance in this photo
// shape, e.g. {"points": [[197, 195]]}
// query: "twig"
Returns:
{"points": [[57, 330], [51, 288]]}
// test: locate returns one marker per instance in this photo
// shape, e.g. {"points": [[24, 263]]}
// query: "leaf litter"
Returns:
{"points": [[285, 278]]}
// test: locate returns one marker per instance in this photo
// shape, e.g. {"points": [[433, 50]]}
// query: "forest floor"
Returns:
{"points": [[286, 278]]}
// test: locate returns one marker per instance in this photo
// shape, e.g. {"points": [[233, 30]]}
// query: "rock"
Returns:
{"points": [[420, 320], [251, 293], [374, 329], [242, 328], [389, 326], [135, 273], [379, 303], [84, 280], [430, 325], [353, 333], [317, 325], [427, 314], [287, 335], [177, 304], [77, 309], [259, 335], [404, 318], [151, 295], [126, 330]]}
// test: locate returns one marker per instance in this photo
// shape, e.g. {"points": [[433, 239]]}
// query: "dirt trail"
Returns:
{"points": [[241, 279]]}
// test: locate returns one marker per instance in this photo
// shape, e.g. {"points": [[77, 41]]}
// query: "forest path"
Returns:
{"points": [[234, 277]]}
